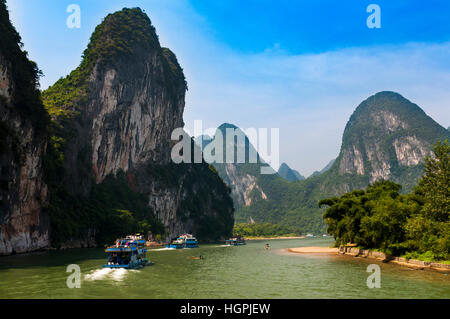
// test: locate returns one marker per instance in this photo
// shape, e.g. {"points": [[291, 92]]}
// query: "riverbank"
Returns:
{"points": [[314, 250], [411, 263], [365, 253], [276, 237]]}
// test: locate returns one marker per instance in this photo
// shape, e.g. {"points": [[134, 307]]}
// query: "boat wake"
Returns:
{"points": [[118, 274], [163, 249], [108, 273], [98, 274]]}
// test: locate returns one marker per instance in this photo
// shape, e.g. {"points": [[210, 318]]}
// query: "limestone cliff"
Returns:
{"points": [[242, 185], [116, 113], [387, 137], [23, 140], [240, 176]]}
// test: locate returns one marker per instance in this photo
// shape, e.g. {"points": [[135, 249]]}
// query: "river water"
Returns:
{"points": [[226, 272]]}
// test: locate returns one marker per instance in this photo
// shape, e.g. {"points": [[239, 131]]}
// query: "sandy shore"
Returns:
{"points": [[314, 250], [269, 238], [360, 253]]}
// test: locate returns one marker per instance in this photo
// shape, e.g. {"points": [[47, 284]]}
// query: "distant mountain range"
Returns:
{"points": [[289, 174], [387, 137], [326, 168], [292, 175]]}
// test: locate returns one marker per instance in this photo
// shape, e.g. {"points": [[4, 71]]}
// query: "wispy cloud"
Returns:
{"points": [[311, 97]]}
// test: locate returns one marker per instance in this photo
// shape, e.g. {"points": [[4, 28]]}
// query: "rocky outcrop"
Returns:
{"points": [[352, 161], [242, 186], [411, 263], [241, 177], [23, 194], [132, 98], [193, 200], [386, 135], [411, 151], [388, 121], [6, 87], [133, 114]]}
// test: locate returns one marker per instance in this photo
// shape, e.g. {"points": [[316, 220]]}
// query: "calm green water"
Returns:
{"points": [[226, 272]]}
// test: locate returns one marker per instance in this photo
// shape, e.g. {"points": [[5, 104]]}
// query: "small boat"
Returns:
{"points": [[235, 241], [184, 241], [129, 253], [177, 244]]}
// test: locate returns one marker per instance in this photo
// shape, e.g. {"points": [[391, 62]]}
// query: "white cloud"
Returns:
{"points": [[311, 97]]}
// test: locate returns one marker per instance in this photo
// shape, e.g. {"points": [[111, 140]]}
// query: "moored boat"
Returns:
{"points": [[184, 241], [235, 241], [129, 253]]}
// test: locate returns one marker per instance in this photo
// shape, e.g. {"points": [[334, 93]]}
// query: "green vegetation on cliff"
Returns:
{"points": [[25, 74], [119, 36], [284, 205], [292, 205], [289, 174], [23, 130], [212, 194], [410, 120], [374, 129], [111, 210], [261, 230], [124, 42], [416, 225]]}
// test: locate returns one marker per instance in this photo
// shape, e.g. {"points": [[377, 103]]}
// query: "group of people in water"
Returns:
{"points": [[199, 257]]}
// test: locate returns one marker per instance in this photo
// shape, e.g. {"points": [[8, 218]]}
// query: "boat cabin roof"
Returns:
{"points": [[120, 249]]}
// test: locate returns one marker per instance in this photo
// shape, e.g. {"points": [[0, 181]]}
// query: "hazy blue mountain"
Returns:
{"points": [[323, 170], [289, 174], [203, 140], [387, 137]]}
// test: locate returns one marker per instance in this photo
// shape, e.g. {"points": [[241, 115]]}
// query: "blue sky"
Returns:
{"points": [[301, 66]]}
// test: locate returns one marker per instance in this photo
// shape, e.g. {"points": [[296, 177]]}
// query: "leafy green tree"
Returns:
{"points": [[372, 218], [428, 231], [415, 225], [434, 186]]}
